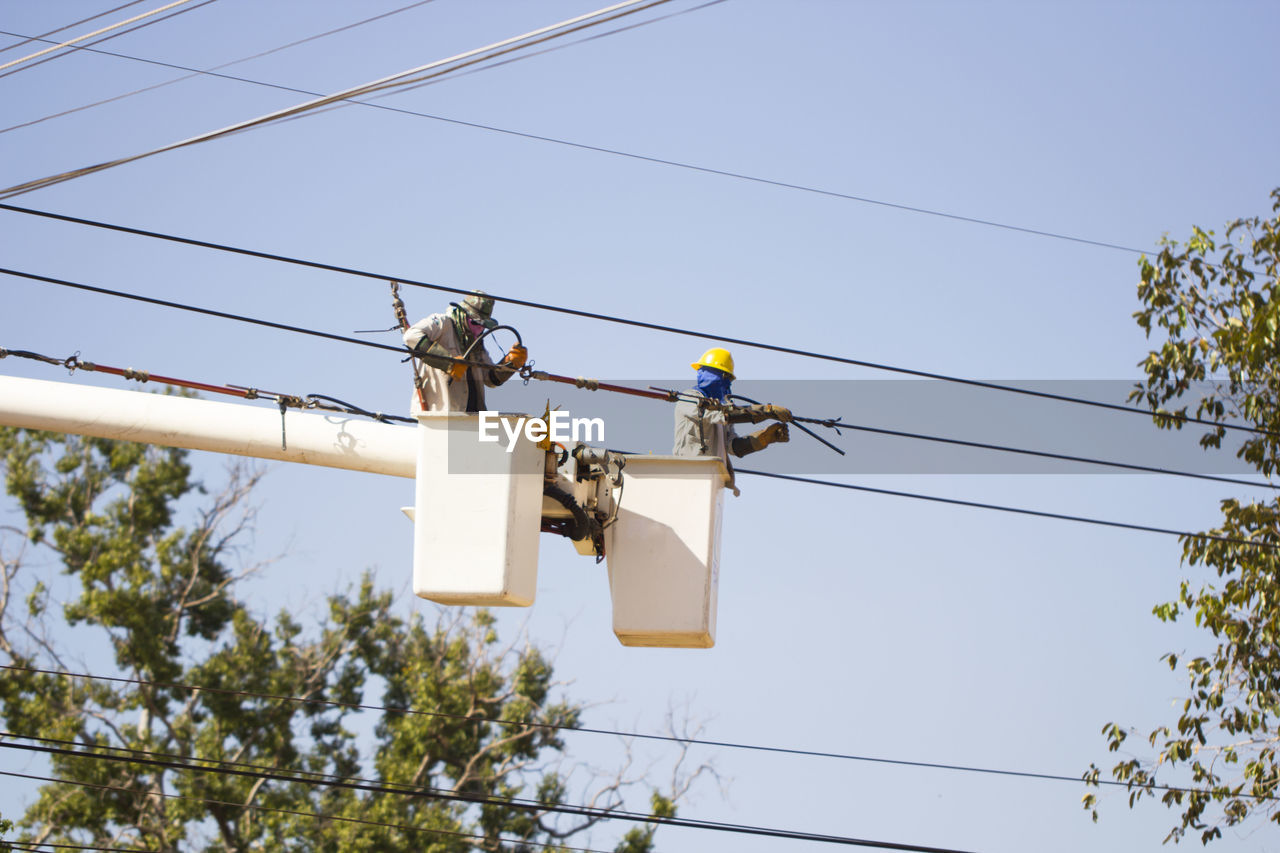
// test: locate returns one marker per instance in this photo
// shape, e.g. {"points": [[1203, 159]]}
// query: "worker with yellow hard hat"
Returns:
{"points": [[705, 416]]}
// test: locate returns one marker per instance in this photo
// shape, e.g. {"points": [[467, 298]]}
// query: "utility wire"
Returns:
{"points": [[38, 845], [683, 741], [577, 811], [321, 402], [579, 145], [116, 34], [44, 35], [207, 311], [934, 498], [1185, 534], [400, 79], [313, 777], [674, 330], [196, 72], [268, 809], [97, 32], [1001, 448]]}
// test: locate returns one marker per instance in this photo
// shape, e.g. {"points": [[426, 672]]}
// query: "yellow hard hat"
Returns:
{"points": [[718, 358]]}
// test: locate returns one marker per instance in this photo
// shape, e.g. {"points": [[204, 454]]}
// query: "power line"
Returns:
{"points": [[577, 811], [207, 311], [659, 327], [683, 741], [195, 72], [1044, 454], [1018, 510], [42, 36], [934, 498], [1001, 448], [310, 401], [116, 34], [259, 808], [211, 72], [314, 777], [579, 145], [98, 32], [37, 845], [398, 80]]}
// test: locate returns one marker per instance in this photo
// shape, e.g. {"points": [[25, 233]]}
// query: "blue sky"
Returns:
{"points": [[848, 623]]}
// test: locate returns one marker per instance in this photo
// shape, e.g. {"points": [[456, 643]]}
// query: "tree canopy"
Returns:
{"points": [[272, 752], [1213, 305]]}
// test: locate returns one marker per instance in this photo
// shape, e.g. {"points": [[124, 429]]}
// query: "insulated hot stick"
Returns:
{"points": [[801, 426]]}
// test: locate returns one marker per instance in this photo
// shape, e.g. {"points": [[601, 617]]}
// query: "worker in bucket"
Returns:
{"points": [[705, 419], [444, 385]]}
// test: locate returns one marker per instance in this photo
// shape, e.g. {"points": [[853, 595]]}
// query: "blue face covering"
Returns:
{"points": [[712, 383]]}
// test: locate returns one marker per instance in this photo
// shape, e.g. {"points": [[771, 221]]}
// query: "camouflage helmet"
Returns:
{"points": [[479, 308]]}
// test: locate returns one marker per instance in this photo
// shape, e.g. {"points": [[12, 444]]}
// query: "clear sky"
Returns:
{"points": [[850, 623]]}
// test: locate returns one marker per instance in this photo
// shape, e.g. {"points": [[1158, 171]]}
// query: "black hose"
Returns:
{"points": [[467, 352], [581, 521]]}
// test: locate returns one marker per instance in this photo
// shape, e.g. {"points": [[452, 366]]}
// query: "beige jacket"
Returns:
{"points": [[462, 395]]}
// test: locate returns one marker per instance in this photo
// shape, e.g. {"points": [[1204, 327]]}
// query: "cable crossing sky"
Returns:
{"points": [[579, 811], [97, 32], [830, 193], [684, 741], [401, 79], [675, 330]]}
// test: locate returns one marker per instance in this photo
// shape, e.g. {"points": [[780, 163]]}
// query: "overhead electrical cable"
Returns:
{"points": [[674, 330], [579, 145], [133, 28], [44, 35], [192, 762], [400, 79], [72, 363], [196, 72], [97, 32], [309, 401], [1064, 457], [269, 810], [1184, 534], [465, 799], [207, 311], [683, 741], [312, 401], [40, 845]]}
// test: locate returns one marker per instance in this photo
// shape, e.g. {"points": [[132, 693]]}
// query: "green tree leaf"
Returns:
{"points": [[1213, 309]]}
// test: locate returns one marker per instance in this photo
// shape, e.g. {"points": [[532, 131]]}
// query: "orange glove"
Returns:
{"points": [[458, 371], [516, 357]]}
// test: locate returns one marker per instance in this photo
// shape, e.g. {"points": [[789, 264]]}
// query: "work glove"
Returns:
{"points": [[775, 433], [769, 435], [516, 357], [458, 371], [763, 412]]}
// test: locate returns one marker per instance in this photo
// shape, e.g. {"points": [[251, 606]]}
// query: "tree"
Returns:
{"points": [[470, 727], [1214, 305]]}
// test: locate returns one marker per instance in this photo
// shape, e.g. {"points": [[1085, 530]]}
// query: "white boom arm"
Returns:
{"points": [[334, 441]]}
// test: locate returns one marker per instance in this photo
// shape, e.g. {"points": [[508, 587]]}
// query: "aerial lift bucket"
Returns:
{"points": [[663, 551], [477, 513]]}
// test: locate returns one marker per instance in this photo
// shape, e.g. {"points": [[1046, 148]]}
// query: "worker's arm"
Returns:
{"points": [[425, 332], [759, 440], [757, 413], [511, 364]]}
